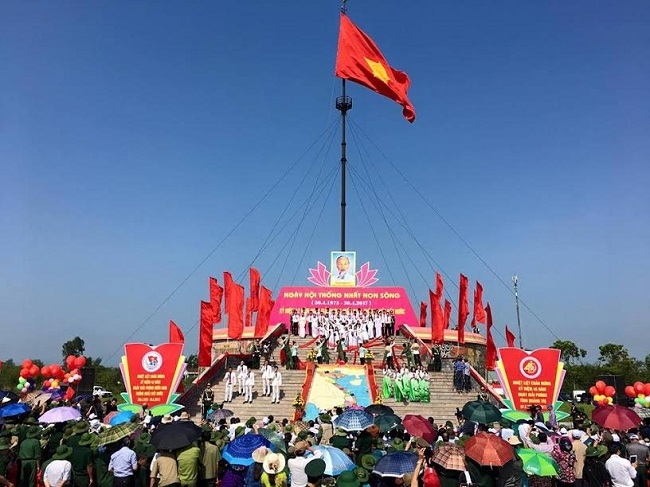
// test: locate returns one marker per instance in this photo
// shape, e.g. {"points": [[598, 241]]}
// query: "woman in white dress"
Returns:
{"points": [[315, 332]]}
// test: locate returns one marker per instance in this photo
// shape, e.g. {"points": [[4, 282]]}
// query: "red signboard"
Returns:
{"points": [[530, 378], [321, 298], [152, 374]]}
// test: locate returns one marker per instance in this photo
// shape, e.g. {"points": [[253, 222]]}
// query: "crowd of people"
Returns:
{"points": [[34, 453], [354, 325]]}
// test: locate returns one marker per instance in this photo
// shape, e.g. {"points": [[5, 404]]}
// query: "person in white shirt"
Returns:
{"points": [[620, 469], [242, 372], [229, 381], [59, 471], [267, 375], [276, 382], [297, 464], [249, 382]]}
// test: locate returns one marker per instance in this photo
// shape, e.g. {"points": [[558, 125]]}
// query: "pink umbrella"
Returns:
{"points": [[109, 416]]}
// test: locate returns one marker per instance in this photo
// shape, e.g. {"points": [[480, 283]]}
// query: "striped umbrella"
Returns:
{"points": [[354, 420], [449, 456]]}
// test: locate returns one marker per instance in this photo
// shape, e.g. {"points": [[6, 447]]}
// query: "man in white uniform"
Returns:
{"points": [[242, 372], [229, 381], [249, 382], [267, 375], [276, 382]]}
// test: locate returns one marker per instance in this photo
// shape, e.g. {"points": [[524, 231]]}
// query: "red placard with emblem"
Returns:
{"points": [[530, 378], [151, 374]]}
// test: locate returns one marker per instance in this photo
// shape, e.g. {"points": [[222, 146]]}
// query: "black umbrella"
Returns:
{"points": [[7, 397], [378, 409], [175, 435]]}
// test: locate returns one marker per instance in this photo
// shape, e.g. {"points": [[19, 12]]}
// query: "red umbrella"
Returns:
{"points": [[418, 425], [616, 417], [488, 450], [109, 416]]}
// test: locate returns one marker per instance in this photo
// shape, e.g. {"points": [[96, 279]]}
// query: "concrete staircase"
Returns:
{"points": [[444, 398]]}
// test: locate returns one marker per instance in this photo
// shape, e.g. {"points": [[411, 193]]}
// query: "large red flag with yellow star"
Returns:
{"points": [[360, 60]]}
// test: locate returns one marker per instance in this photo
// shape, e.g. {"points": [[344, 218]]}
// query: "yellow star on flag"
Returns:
{"points": [[378, 70]]}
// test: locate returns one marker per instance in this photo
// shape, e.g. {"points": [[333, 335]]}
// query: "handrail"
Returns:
{"points": [[483, 383], [406, 328]]}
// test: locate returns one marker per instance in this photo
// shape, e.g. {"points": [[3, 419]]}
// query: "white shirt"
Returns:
{"points": [[57, 471], [277, 379], [297, 469], [621, 471]]}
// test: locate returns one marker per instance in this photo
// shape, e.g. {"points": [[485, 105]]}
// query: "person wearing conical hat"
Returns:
{"points": [[29, 454]]}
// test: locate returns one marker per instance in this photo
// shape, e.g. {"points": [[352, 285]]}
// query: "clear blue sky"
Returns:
{"points": [[135, 135]]}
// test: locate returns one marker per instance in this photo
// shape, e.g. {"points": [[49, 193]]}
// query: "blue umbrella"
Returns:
{"points": [[240, 450], [14, 409], [396, 464], [336, 462], [121, 417], [354, 420]]}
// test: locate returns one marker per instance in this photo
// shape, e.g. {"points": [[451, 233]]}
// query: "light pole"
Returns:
{"points": [[514, 281]]}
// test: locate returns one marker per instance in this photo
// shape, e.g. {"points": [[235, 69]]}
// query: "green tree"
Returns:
{"points": [[615, 359], [571, 353], [193, 362], [76, 347]]}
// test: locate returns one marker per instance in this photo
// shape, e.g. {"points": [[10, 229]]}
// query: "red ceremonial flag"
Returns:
{"points": [[228, 285], [491, 351], [423, 313], [463, 308], [510, 337], [255, 289], [236, 316], [440, 286], [479, 311], [447, 313], [205, 335], [216, 293], [437, 319], [249, 312], [360, 60], [175, 333], [264, 313]]}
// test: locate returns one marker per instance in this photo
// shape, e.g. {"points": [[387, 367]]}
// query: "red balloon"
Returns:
{"points": [[600, 385], [34, 370], [639, 387], [80, 362], [610, 391], [630, 392], [24, 373], [593, 391], [0, 364], [69, 362], [27, 363], [69, 393], [45, 370], [646, 389]]}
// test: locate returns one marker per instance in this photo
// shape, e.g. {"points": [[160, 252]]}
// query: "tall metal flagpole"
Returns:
{"points": [[515, 281], [343, 104]]}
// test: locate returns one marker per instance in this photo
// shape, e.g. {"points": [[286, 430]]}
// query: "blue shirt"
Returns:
{"points": [[123, 462]]}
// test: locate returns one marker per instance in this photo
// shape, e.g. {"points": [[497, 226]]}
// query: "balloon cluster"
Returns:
{"points": [[602, 393], [28, 375], [57, 377], [640, 392]]}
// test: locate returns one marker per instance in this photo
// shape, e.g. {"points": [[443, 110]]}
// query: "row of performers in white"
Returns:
{"points": [[353, 334], [243, 379], [365, 325]]}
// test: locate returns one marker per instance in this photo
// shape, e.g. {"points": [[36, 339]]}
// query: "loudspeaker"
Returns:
{"points": [[618, 383], [87, 381]]}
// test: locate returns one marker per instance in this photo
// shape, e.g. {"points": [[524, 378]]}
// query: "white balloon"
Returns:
{"points": [[70, 380]]}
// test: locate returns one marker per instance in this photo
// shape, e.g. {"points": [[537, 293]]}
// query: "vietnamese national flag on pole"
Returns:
{"points": [[216, 293], [175, 333], [463, 308], [264, 314], [510, 337], [447, 314], [491, 351], [236, 316], [360, 60], [205, 335], [255, 289], [423, 313]]}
